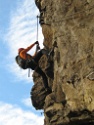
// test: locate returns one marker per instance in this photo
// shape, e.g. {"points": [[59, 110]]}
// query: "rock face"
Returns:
{"points": [[69, 24]]}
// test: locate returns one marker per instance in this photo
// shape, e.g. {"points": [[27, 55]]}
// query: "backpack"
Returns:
{"points": [[22, 62]]}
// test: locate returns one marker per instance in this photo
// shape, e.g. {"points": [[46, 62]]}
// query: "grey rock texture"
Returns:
{"points": [[69, 23]]}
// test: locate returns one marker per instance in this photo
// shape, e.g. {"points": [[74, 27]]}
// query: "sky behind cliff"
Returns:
{"points": [[17, 29]]}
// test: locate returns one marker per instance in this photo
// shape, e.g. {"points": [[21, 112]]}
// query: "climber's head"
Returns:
{"points": [[20, 49]]}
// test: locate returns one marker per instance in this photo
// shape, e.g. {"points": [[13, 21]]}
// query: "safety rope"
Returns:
{"points": [[37, 27], [29, 72]]}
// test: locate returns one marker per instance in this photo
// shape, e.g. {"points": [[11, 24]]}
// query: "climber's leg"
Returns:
{"points": [[39, 54], [31, 64], [34, 66], [45, 80], [45, 52]]}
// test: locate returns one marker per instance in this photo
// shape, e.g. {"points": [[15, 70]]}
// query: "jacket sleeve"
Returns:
{"points": [[28, 48], [23, 52]]}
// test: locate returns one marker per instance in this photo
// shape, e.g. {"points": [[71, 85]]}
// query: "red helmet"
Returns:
{"points": [[20, 49]]}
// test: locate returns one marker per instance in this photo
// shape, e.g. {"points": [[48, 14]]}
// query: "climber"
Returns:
{"points": [[25, 60]]}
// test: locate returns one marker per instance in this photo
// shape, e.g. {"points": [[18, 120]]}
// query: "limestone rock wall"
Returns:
{"points": [[69, 23]]}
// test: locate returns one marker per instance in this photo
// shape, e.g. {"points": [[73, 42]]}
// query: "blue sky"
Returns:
{"points": [[17, 29]]}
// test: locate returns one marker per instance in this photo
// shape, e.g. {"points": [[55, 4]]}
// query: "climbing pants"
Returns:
{"points": [[33, 64], [39, 54], [44, 77]]}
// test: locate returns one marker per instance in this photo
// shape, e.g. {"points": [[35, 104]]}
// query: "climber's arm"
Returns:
{"points": [[36, 51], [28, 48], [23, 52]]}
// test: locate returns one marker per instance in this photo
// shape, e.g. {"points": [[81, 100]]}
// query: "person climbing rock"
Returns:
{"points": [[25, 60]]}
